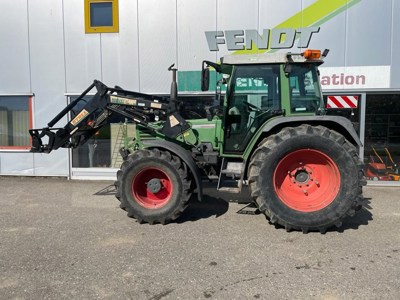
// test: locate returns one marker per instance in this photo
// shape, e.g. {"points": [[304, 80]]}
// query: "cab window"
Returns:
{"points": [[305, 93]]}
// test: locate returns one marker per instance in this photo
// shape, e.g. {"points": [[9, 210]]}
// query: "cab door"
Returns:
{"points": [[253, 94]]}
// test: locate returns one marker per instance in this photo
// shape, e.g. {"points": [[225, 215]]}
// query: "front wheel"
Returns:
{"points": [[306, 178], [153, 186]]}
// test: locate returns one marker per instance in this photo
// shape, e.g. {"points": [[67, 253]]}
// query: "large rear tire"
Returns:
{"points": [[306, 178], [153, 186]]}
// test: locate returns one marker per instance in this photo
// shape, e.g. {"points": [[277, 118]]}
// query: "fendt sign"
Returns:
{"points": [[277, 38]]}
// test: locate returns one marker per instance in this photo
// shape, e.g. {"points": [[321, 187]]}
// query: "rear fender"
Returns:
{"points": [[337, 123], [182, 154]]}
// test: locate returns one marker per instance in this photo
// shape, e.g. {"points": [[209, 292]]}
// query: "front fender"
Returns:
{"points": [[182, 154]]}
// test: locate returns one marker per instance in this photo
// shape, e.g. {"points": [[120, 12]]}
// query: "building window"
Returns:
{"points": [[15, 122], [382, 137], [101, 16]]}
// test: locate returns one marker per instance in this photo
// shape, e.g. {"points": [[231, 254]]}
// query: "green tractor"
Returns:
{"points": [[269, 133]]}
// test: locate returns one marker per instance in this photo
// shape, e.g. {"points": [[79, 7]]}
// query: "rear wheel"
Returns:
{"points": [[153, 186], [306, 178]]}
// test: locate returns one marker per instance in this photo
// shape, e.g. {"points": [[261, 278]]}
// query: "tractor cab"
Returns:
{"points": [[262, 87]]}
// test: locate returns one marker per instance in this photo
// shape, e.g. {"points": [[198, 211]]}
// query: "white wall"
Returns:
{"points": [[14, 47], [44, 49]]}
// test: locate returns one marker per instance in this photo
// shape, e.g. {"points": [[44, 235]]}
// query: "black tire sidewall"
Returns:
{"points": [[348, 181]]}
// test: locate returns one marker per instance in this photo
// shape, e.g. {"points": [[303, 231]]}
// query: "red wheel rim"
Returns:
{"points": [[145, 196], [307, 180]]}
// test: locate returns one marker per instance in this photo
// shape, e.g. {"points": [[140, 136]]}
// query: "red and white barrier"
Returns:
{"points": [[342, 102]]}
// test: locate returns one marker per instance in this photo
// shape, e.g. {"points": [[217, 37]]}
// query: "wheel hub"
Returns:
{"points": [[154, 185], [302, 176]]}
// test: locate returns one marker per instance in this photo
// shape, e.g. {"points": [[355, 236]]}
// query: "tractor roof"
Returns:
{"points": [[270, 58]]}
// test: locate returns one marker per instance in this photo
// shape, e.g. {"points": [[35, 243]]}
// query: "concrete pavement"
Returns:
{"points": [[64, 239]]}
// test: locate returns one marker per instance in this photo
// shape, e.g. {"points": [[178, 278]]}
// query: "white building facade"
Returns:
{"points": [[48, 57]]}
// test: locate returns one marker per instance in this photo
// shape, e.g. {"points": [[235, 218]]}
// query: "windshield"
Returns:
{"points": [[305, 92]]}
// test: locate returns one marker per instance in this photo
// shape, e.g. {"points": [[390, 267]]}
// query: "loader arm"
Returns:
{"points": [[137, 107]]}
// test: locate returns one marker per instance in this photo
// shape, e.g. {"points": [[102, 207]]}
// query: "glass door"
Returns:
{"points": [[382, 138]]}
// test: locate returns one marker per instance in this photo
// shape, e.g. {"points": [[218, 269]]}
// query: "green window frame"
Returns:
{"points": [[101, 16]]}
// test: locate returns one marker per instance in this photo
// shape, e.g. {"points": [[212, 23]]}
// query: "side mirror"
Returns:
{"points": [[205, 77], [287, 69]]}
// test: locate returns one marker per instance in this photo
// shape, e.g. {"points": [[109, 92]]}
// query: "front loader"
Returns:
{"points": [[269, 133]]}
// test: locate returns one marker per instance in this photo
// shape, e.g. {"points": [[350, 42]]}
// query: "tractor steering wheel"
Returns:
{"points": [[252, 106]]}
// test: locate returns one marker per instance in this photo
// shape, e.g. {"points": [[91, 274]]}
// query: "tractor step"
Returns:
{"points": [[230, 177], [230, 172], [232, 168], [233, 190]]}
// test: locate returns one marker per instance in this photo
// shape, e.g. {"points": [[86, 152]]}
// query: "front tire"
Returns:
{"points": [[306, 178], [153, 186]]}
